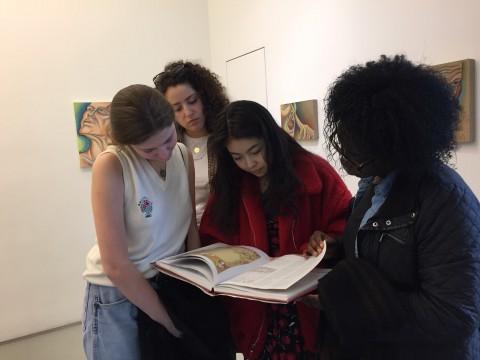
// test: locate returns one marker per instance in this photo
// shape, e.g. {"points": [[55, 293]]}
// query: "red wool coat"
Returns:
{"points": [[322, 204]]}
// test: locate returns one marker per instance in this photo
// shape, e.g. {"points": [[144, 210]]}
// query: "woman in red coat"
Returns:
{"points": [[270, 193]]}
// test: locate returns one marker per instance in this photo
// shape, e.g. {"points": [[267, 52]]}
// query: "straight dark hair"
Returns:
{"points": [[248, 119], [138, 112]]}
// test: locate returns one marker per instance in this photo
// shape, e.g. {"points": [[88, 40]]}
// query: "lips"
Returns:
{"points": [[193, 122], [259, 172]]}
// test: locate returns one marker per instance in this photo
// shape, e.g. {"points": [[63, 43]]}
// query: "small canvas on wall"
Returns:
{"points": [[300, 119], [92, 121], [461, 75]]}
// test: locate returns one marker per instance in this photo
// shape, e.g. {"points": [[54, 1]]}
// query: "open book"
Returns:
{"points": [[245, 272]]}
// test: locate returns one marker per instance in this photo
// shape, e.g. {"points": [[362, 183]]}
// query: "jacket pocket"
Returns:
{"points": [[396, 255]]}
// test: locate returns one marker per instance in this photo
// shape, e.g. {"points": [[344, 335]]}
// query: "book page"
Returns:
{"points": [[217, 262], [196, 266], [187, 274], [232, 260], [279, 273], [302, 287]]}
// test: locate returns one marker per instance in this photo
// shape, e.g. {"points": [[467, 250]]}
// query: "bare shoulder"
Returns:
{"points": [[107, 172], [107, 164]]}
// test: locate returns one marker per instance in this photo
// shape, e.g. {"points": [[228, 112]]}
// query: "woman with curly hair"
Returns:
{"points": [[197, 96], [270, 193], [409, 286]]}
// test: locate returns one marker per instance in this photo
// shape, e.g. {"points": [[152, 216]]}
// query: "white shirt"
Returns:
{"points": [[157, 213], [198, 148]]}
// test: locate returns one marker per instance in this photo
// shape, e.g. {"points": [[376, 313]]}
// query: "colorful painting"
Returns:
{"points": [[225, 258], [92, 120], [300, 119], [461, 75]]}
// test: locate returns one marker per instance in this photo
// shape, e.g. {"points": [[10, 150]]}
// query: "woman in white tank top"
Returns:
{"points": [[142, 191]]}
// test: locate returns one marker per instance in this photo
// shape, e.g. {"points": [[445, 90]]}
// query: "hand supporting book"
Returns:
{"points": [[245, 272]]}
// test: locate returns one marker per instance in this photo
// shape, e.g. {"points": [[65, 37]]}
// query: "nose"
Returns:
{"points": [[157, 154], [187, 110], [163, 153], [250, 162]]}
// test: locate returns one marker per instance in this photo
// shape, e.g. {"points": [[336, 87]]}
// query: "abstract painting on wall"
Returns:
{"points": [[461, 75], [92, 120], [300, 119]]}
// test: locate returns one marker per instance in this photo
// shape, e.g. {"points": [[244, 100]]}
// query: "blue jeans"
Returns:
{"points": [[110, 330]]}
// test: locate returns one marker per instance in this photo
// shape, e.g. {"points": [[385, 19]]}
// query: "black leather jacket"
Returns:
{"points": [[414, 290]]}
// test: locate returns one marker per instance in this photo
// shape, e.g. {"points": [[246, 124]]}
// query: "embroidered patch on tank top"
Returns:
{"points": [[146, 206]]}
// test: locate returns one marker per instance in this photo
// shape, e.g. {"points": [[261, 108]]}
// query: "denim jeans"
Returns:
{"points": [[110, 330]]}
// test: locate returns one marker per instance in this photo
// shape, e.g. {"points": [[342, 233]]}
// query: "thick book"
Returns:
{"points": [[245, 272]]}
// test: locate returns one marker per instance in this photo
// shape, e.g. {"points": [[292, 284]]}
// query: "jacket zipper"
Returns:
{"points": [[395, 238]]}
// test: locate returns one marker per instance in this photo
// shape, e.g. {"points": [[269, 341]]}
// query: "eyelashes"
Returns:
{"points": [[252, 152], [190, 101]]}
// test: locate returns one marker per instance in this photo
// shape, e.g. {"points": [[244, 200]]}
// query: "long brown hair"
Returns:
{"points": [[137, 112]]}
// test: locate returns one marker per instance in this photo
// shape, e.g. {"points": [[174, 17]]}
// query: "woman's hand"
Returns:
{"points": [[172, 329], [165, 320], [316, 243]]}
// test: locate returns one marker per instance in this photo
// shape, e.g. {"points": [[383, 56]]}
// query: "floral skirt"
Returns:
{"points": [[284, 341]]}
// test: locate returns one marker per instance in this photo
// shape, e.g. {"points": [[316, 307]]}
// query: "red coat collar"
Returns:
{"points": [[307, 171], [253, 219]]}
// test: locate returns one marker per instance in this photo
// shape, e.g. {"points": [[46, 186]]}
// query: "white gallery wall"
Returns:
{"points": [[310, 42], [56, 52], [53, 53]]}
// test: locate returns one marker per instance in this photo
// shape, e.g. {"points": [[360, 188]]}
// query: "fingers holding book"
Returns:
{"points": [[316, 243]]}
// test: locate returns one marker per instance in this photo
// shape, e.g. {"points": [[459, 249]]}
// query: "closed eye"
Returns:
{"points": [[192, 100]]}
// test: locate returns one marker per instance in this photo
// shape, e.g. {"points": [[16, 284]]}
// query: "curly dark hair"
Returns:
{"points": [[400, 113], [203, 81], [248, 119]]}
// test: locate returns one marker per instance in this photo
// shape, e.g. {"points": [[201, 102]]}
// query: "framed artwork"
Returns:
{"points": [[92, 120], [300, 119], [461, 75]]}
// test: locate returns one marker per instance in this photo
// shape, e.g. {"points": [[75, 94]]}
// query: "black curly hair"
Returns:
{"points": [[203, 81], [399, 113]]}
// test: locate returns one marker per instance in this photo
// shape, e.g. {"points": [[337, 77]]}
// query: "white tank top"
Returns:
{"points": [[198, 148], [157, 212]]}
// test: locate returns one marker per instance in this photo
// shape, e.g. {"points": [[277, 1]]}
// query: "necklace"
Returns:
{"points": [[198, 146], [160, 168], [196, 149], [163, 173]]}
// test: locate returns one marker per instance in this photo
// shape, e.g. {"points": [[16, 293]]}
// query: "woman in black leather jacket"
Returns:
{"points": [[408, 285]]}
